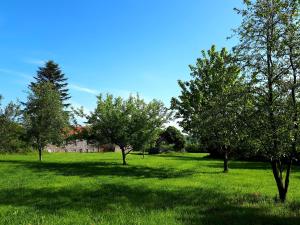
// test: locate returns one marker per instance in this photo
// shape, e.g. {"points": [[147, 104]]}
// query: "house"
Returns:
{"points": [[75, 142]]}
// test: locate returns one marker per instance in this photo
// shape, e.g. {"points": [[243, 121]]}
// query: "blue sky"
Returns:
{"points": [[116, 46]]}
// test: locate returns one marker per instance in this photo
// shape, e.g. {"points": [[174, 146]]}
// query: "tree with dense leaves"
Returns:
{"points": [[269, 53], [52, 73], [210, 103], [12, 133], [130, 124], [291, 47], [44, 117], [172, 135]]}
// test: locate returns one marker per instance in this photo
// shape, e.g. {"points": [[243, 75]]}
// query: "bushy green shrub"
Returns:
{"points": [[171, 139], [12, 137], [193, 148]]}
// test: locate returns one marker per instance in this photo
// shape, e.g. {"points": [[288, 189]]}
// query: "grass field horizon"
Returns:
{"points": [[181, 188]]}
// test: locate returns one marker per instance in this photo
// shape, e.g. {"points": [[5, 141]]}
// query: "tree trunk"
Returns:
{"points": [[226, 161], [123, 156], [294, 102], [277, 172], [40, 153]]}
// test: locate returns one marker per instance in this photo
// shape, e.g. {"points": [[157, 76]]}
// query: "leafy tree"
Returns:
{"points": [[269, 42], [291, 48], [44, 117], [53, 74], [211, 103], [172, 135], [130, 124], [11, 132]]}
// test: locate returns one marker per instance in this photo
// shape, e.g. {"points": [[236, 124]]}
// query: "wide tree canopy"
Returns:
{"points": [[130, 123]]}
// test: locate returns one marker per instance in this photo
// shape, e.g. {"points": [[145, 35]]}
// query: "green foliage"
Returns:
{"points": [[193, 148], [52, 73], [173, 136], [44, 117], [131, 123], [211, 103], [269, 53], [12, 133]]}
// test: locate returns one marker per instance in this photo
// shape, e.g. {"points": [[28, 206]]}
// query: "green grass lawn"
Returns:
{"points": [[94, 188]]}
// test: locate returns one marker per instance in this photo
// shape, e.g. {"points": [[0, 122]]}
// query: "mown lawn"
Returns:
{"points": [[94, 188]]}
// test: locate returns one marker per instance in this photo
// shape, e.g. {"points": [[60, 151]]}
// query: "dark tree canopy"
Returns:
{"points": [[52, 73], [172, 135]]}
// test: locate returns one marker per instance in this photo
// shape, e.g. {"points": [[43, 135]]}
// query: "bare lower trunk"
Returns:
{"points": [[282, 184], [225, 161], [40, 153], [123, 156]]}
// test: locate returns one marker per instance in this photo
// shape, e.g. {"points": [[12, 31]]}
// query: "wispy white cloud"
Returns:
{"points": [[36, 62], [115, 92], [15, 73], [83, 89]]}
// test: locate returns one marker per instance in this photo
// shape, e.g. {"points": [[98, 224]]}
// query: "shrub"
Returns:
{"points": [[193, 148]]}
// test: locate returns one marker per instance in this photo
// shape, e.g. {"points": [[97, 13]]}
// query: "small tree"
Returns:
{"points": [[130, 124], [210, 103], [11, 132], [44, 116], [172, 135]]}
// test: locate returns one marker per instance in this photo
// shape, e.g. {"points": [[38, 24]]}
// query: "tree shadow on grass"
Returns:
{"points": [[246, 165], [218, 163], [195, 157], [90, 169], [242, 165], [190, 206]]}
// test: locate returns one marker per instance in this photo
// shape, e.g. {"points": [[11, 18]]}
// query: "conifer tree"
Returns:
{"points": [[52, 73]]}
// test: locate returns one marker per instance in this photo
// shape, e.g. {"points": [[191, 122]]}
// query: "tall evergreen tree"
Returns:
{"points": [[52, 73]]}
